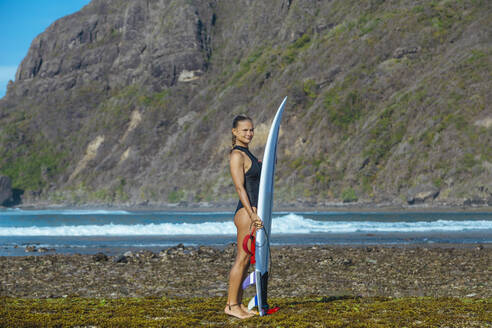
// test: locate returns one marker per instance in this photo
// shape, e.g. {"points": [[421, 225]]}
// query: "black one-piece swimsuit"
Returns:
{"points": [[251, 179]]}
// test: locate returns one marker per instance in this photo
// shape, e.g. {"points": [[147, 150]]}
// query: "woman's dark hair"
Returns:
{"points": [[235, 122]]}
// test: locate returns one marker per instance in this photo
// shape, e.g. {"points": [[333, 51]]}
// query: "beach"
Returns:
{"points": [[118, 268], [314, 286], [179, 271]]}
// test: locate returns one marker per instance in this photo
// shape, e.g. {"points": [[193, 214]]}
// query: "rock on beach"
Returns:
{"points": [[422, 193]]}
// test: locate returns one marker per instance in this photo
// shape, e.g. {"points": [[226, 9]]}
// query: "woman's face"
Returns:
{"points": [[244, 132]]}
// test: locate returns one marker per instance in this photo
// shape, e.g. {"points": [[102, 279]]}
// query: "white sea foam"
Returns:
{"points": [[285, 224], [207, 228], [293, 223]]}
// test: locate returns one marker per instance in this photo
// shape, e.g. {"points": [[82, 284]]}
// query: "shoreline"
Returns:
{"points": [[229, 207], [37, 251], [119, 251]]}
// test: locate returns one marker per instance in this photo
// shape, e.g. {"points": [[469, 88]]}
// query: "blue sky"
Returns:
{"points": [[20, 22]]}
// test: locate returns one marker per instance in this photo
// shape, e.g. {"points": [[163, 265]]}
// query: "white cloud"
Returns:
{"points": [[6, 73]]}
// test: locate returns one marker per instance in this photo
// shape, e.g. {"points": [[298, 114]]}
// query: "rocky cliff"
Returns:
{"points": [[129, 102]]}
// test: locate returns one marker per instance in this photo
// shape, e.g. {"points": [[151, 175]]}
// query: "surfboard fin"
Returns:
{"points": [[249, 281], [253, 302]]}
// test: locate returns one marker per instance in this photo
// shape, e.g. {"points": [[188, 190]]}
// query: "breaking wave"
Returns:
{"points": [[284, 224]]}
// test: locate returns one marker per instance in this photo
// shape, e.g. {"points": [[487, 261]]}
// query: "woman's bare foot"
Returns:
{"points": [[236, 310], [245, 309]]}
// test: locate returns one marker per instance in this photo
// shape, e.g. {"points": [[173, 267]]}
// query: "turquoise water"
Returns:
{"points": [[90, 231]]}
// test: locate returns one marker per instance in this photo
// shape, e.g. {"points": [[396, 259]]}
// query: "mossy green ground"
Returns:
{"points": [[301, 312]]}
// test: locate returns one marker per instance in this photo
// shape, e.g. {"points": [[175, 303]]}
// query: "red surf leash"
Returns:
{"points": [[250, 252]]}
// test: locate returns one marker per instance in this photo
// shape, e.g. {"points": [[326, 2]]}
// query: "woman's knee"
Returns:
{"points": [[242, 259]]}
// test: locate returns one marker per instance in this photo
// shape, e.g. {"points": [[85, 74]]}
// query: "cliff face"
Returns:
{"points": [[132, 101], [116, 43]]}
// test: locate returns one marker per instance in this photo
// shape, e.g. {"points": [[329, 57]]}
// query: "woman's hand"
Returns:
{"points": [[256, 221]]}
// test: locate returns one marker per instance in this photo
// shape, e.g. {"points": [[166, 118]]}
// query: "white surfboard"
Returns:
{"points": [[265, 204]]}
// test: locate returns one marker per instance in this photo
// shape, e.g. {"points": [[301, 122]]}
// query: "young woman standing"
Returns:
{"points": [[245, 172]]}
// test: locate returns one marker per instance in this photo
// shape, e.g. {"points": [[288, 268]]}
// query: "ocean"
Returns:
{"points": [[116, 231]]}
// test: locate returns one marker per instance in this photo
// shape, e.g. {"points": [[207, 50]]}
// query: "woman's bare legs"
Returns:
{"points": [[240, 297], [239, 268]]}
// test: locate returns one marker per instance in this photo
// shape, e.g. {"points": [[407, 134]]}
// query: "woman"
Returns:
{"points": [[245, 171]]}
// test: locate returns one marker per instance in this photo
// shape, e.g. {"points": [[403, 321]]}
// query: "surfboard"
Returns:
{"points": [[265, 204]]}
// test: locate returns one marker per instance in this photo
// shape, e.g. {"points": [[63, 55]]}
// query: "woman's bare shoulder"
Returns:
{"points": [[236, 155]]}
